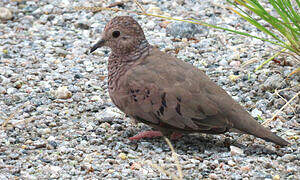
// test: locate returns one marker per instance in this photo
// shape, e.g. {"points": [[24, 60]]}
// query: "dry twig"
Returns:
{"points": [[280, 110], [12, 115]]}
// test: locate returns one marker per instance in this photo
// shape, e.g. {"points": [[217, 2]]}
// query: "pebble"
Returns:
{"points": [[150, 25], [11, 90], [223, 62], [2, 90], [231, 163], [276, 177], [236, 151], [182, 30], [47, 9], [63, 93], [288, 157], [213, 176], [154, 10], [5, 14], [122, 156], [235, 64], [273, 82], [256, 113], [234, 78]]}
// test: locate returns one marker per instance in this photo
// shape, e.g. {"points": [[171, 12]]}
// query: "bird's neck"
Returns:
{"points": [[118, 64], [137, 52]]}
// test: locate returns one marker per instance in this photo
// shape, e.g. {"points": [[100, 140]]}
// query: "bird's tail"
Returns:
{"points": [[251, 126]]}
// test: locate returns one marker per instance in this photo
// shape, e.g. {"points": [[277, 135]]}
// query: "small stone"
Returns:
{"points": [[18, 84], [235, 64], [108, 115], [89, 68], [39, 144], [14, 155], [154, 10], [236, 151], [65, 3], [273, 82], [51, 138], [122, 156], [105, 125], [47, 9], [96, 99], [289, 157], [231, 163], [164, 24], [44, 131], [135, 166], [234, 78], [82, 24], [182, 30], [5, 14], [63, 93], [235, 56], [188, 166], [245, 168], [151, 25], [130, 156], [256, 113], [11, 90], [276, 177], [2, 90], [55, 169], [223, 62], [213, 176]]}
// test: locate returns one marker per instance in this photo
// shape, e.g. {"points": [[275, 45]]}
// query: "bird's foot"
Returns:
{"points": [[146, 134], [152, 134]]}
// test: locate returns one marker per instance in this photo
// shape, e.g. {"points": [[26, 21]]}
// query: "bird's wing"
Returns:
{"points": [[169, 92]]}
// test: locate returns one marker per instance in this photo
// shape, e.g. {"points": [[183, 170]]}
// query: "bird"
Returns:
{"points": [[170, 95]]}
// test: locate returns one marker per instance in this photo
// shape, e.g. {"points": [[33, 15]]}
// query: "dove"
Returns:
{"points": [[166, 93]]}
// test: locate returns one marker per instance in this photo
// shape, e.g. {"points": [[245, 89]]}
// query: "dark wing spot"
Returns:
{"points": [[147, 93], [158, 113], [161, 110], [163, 99], [178, 109], [179, 99], [142, 120]]}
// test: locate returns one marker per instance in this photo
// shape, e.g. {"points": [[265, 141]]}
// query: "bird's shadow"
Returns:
{"points": [[197, 143]]}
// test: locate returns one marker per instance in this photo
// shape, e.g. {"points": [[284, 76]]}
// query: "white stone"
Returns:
{"points": [[63, 93], [256, 113], [236, 151], [5, 14]]}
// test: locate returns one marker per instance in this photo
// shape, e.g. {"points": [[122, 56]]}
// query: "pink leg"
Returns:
{"points": [[152, 134], [146, 134]]}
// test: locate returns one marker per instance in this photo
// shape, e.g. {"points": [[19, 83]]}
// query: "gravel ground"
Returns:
{"points": [[63, 125]]}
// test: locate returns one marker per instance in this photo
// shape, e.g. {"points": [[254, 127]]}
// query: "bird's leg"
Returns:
{"points": [[152, 134], [146, 134]]}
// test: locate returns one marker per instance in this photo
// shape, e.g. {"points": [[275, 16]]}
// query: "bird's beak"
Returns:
{"points": [[99, 44]]}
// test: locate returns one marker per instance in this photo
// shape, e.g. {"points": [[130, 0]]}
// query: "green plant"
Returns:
{"points": [[284, 28]]}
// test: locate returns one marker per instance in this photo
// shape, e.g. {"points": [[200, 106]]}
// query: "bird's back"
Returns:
{"points": [[198, 94]]}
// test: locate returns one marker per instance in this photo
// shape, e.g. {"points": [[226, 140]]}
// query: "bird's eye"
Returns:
{"points": [[116, 34]]}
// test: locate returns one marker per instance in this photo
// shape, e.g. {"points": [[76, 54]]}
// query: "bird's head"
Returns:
{"points": [[122, 34]]}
